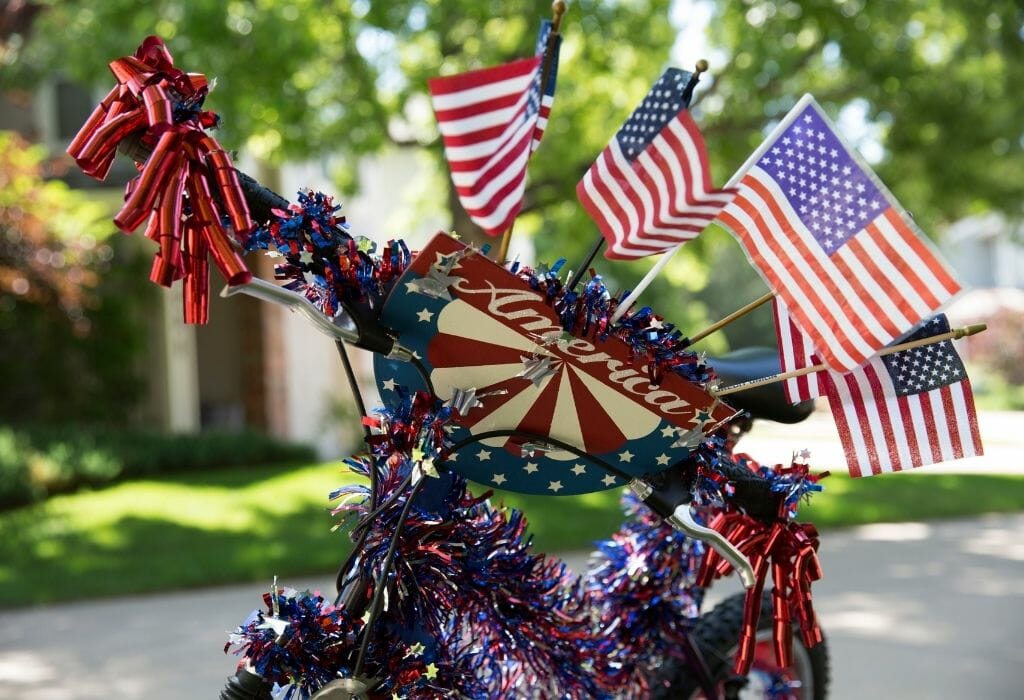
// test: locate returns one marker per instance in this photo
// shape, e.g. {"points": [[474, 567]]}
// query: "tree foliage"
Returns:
{"points": [[931, 89], [65, 305]]}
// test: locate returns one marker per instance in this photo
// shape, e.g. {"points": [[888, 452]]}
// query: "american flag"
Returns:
{"points": [[828, 238], [906, 409], [795, 353], [491, 120], [650, 189]]}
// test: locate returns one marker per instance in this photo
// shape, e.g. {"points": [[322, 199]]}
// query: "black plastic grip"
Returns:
{"points": [[245, 685], [752, 492], [261, 200]]}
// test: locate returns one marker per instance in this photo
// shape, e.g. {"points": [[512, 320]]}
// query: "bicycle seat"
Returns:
{"points": [[766, 402]]}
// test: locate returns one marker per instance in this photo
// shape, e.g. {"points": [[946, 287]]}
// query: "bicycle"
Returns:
{"points": [[631, 627]]}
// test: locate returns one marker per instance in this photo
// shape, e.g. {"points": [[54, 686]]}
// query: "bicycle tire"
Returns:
{"points": [[715, 635]]}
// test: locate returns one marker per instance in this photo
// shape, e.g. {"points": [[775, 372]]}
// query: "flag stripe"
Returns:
{"points": [[967, 416], [795, 353], [910, 430], [954, 435], [482, 84]]}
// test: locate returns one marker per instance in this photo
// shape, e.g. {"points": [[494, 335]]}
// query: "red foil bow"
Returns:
{"points": [[790, 550], [157, 102]]}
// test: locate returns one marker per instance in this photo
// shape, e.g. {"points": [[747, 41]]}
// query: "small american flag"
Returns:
{"points": [[795, 353], [828, 238], [650, 189], [491, 120], [907, 409]]}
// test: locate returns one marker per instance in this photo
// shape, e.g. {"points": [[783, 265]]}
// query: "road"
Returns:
{"points": [[911, 611]]}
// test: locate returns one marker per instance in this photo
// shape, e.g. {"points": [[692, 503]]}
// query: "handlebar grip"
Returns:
{"points": [[261, 200], [753, 492], [245, 685]]}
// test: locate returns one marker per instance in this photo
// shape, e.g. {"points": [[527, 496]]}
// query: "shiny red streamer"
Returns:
{"points": [[186, 162], [788, 550]]}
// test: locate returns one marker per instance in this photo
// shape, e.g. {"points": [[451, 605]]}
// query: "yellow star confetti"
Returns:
{"points": [[431, 671]]}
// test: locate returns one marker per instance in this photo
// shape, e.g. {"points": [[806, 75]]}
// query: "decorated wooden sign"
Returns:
{"points": [[496, 351]]}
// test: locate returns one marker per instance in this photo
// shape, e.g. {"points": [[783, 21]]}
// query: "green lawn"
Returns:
{"points": [[241, 525]]}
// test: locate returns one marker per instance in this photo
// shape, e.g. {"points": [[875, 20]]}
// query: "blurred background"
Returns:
{"points": [[127, 438]]}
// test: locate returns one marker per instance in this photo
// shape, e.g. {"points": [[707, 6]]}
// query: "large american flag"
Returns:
{"points": [[491, 120], [829, 239], [795, 353], [650, 189], [906, 409]]}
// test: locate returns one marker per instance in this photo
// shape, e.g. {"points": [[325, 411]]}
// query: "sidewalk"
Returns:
{"points": [[911, 611], [1002, 435]]}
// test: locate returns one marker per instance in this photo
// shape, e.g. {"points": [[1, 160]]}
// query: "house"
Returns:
{"points": [[253, 365]]}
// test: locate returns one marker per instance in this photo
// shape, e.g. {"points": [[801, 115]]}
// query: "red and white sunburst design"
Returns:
{"points": [[476, 349], [489, 326]]}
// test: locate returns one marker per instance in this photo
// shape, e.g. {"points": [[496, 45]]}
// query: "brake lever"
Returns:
{"points": [[682, 520], [670, 498], [343, 327]]}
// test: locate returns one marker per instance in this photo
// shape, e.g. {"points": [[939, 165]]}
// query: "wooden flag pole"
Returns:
{"points": [[954, 334], [558, 8], [738, 313]]}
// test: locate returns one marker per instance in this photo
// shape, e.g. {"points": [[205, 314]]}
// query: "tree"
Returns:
{"points": [[936, 85], [70, 336]]}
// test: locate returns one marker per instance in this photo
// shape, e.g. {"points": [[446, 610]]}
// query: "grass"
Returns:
{"points": [[241, 525]]}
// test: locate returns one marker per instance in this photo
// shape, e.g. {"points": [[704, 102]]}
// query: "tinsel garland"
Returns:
{"points": [[659, 345], [470, 611], [640, 586], [322, 260], [469, 608]]}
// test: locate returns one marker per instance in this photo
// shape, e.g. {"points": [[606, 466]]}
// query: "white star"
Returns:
{"points": [[388, 384], [425, 315], [498, 479], [530, 467], [662, 459], [483, 455], [608, 480], [669, 431], [578, 469], [555, 486], [626, 456]]}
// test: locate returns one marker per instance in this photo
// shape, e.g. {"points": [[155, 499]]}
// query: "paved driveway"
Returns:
{"points": [[912, 611]]}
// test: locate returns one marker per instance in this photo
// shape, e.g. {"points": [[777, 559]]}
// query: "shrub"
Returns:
{"points": [[36, 462]]}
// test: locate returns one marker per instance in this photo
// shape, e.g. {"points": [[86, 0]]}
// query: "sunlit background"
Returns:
{"points": [[126, 436]]}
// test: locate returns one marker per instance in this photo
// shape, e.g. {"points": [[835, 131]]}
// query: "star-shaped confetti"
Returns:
{"points": [[536, 369], [431, 672]]}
